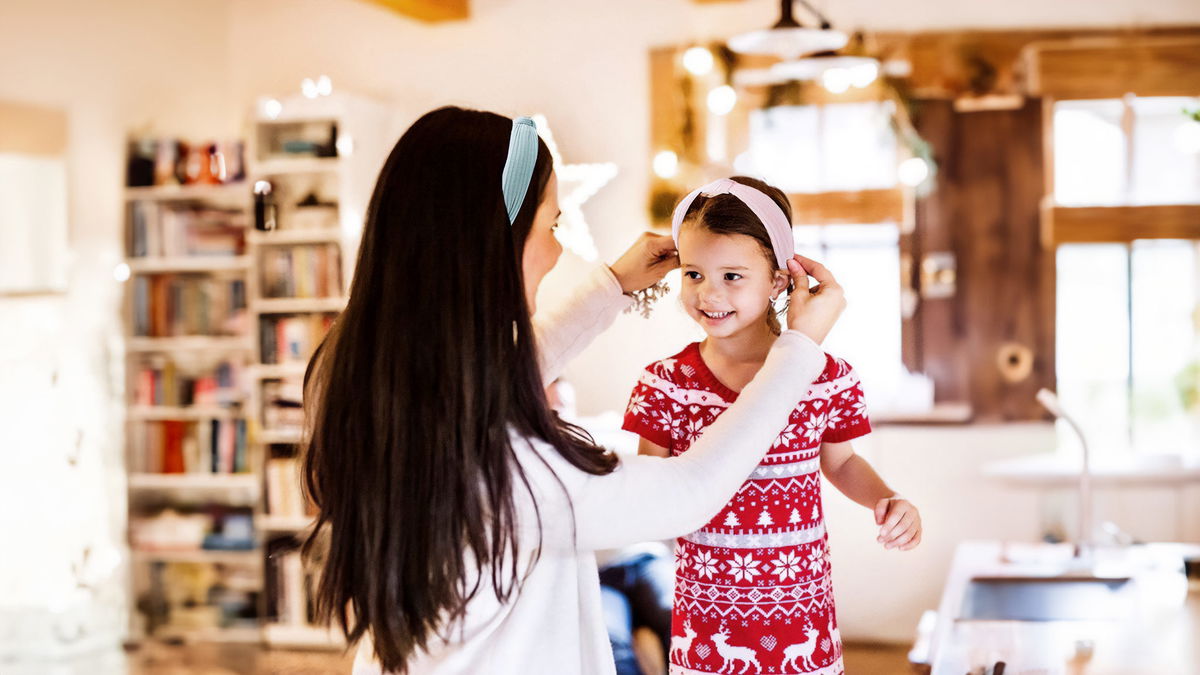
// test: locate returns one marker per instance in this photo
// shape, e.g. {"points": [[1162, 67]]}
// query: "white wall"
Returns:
{"points": [[112, 66], [584, 65]]}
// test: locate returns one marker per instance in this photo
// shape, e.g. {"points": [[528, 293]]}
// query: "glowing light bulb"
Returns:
{"points": [[722, 99], [913, 171], [309, 88], [863, 74], [271, 108], [121, 272], [698, 61], [666, 164], [836, 80]]}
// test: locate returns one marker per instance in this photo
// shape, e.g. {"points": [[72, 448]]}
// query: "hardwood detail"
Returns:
{"points": [[866, 206], [1110, 67], [429, 11], [985, 212], [32, 130], [1121, 224]]}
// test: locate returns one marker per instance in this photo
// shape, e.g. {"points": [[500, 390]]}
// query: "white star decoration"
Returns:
{"points": [[576, 184]]}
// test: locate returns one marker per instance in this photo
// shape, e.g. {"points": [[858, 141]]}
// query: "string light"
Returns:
{"points": [[698, 61], [666, 164], [722, 99]]}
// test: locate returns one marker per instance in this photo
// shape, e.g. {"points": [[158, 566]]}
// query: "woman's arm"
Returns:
{"points": [[658, 497], [567, 330]]}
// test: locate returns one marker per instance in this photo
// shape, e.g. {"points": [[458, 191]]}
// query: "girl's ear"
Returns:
{"points": [[780, 283]]}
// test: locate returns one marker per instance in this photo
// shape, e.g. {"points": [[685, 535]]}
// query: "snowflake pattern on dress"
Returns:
{"points": [[752, 587]]}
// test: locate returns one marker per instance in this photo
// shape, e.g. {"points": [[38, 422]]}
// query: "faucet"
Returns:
{"points": [[1083, 547]]}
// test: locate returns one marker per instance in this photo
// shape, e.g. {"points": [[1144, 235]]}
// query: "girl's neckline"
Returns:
{"points": [[709, 378]]}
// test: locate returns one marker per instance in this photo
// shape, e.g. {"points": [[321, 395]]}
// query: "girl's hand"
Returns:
{"points": [[900, 523], [813, 311], [646, 262]]}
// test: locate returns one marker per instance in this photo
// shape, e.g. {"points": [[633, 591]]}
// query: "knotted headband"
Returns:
{"points": [[518, 168], [779, 228]]}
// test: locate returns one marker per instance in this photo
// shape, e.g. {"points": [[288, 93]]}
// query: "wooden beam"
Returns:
{"points": [[1122, 224], [32, 130], [848, 208], [429, 11], [1110, 67]]}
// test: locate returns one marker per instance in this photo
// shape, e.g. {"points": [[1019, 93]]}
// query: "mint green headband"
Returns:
{"points": [[518, 168]]}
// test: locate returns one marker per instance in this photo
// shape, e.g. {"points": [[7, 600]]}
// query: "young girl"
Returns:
{"points": [[752, 587]]}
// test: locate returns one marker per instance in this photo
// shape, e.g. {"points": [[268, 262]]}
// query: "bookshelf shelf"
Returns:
{"points": [[233, 635], [249, 558], [156, 412], [297, 305], [247, 482], [187, 192], [276, 371], [291, 237], [302, 636], [195, 343], [284, 524], [188, 264], [280, 436], [292, 165]]}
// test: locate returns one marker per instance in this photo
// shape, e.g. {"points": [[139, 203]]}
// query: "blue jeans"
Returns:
{"points": [[636, 593]]}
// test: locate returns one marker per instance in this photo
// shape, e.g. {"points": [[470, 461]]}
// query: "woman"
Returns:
{"points": [[462, 513]]}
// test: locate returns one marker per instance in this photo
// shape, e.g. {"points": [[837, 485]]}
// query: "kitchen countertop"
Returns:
{"points": [[1160, 635]]}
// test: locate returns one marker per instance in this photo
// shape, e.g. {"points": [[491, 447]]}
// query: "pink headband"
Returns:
{"points": [[779, 228]]}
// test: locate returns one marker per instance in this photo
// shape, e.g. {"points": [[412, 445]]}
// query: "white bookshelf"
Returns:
{"points": [[148, 492], [343, 187]]}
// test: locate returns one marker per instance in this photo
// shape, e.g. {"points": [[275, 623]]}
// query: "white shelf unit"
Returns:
{"points": [[154, 490], [365, 133]]}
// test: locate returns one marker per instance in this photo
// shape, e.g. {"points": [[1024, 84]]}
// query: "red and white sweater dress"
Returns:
{"points": [[752, 587]]}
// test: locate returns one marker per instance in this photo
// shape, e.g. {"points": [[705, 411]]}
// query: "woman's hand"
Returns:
{"points": [[646, 262], [899, 523], [813, 311]]}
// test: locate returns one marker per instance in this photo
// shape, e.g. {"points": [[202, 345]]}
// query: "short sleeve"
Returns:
{"points": [[848, 411], [648, 413]]}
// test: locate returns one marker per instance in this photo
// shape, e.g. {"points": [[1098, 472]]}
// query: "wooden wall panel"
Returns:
{"points": [[986, 211]]}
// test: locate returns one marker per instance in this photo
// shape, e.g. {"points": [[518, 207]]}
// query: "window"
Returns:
{"points": [[867, 261], [826, 148], [1127, 338]]}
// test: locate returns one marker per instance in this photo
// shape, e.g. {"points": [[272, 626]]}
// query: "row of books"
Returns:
{"points": [[167, 305], [291, 588], [158, 381], [284, 497], [168, 230], [216, 446], [305, 271], [291, 339], [283, 403]]}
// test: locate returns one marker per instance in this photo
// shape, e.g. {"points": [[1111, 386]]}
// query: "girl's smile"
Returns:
{"points": [[728, 282]]}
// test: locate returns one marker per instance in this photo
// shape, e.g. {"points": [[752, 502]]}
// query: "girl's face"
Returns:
{"points": [[727, 281], [542, 248]]}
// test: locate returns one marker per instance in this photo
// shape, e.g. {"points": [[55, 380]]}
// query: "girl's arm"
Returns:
{"points": [[652, 449], [658, 497], [899, 520]]}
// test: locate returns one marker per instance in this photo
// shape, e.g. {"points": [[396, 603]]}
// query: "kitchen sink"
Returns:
{"points": [[1062, 598]]}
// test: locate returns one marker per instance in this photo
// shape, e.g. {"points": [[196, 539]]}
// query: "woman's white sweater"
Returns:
{"points": [[554, 624]]}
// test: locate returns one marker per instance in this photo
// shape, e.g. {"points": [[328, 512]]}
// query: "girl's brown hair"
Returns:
{"points": [[726, 214]]}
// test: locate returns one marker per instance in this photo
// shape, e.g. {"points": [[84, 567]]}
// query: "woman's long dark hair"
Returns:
{"points": [[412, 395]]}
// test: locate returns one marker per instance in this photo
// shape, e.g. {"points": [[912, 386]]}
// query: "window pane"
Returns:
{"points": [[840, 146], [866, 260], [1165, 302], [1166, 161], [1089, 153], [1092, 342]]}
